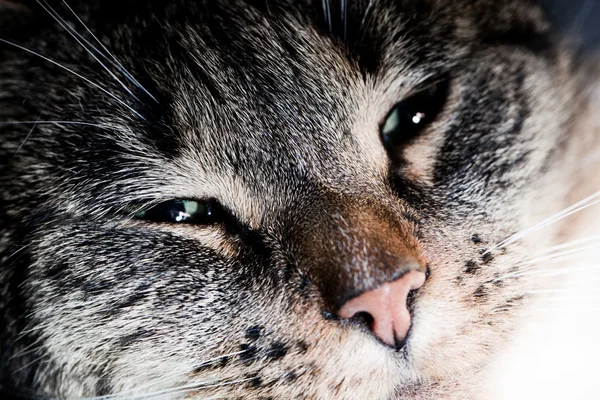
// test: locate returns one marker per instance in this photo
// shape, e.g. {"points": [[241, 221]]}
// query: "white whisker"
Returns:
{"points": [[20, 249], [26, 94], [191, 388], [173, 391], [28, 349], [90, 82], [344, 7], [575, 208], [168, 377], [580, 18], [31, 330], [555, 252], [327, 11], [27, 136], [539, 268], [560, 254], [364, 18], [570, 244], [554, 272], [552, 291], [116, 61], [568, 310], [62, 22], [554, 258], [36, 360], [5, 123]]}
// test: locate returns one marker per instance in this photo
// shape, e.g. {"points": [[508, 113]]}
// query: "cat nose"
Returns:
{"points": [[387, 307]]}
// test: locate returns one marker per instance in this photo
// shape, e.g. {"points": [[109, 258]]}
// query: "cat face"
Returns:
{"points": [[275, 132]]}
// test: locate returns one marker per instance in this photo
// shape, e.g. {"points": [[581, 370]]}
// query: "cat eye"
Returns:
{"points": [[182, 212], [410, 116]]}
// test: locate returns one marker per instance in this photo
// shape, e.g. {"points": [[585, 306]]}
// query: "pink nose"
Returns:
{"points": [[387, 306]]}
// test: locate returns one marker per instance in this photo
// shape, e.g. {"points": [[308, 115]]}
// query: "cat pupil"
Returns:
{"points": [[178, 211]]}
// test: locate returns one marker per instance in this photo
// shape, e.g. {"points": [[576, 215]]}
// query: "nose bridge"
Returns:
{"points": [[354, 245]]}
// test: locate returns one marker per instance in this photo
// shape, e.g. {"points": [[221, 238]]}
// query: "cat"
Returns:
{"points": [[260, 199]]}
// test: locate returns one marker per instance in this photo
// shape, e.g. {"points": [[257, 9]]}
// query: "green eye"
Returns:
{"points": [[410, 116], [182, 212]]}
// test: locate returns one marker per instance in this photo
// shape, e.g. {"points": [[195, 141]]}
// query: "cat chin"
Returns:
{"points": [[341, 364], [349, 365]]}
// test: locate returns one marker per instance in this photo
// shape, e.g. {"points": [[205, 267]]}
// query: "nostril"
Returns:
{"points": [[410, 298], [363, 318], [386, 309], [366, 320]]}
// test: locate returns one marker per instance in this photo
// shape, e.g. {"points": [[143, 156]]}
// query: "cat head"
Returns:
{"points": [[194, 192]]}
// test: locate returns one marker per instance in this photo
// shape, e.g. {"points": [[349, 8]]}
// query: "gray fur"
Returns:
{"points": [[273, 109]]}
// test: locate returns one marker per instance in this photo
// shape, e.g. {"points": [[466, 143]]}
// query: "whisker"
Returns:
{"points": [[20, 249], [555, 272], [26, 94], [36, 360], [565, 296], [595, 238], [22, 394], [116, 61], [94, 84], [579, 250], [555, 253], [327, 12], [364, 18], [568, 309], [536, 266], [344, 7], [575, 208], [193, 387], [551, 258], [173, 391], [170, 376], [552, 291], [29, 350], [580, 18], [31, 330], [58, 122], [62, 22], [27, 136]]}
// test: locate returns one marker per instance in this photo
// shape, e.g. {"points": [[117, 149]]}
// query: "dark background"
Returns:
{"points": [[578, 19]]}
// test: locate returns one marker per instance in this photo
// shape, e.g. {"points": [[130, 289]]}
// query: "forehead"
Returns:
{"points": [[284, 90], [261, 99]]}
